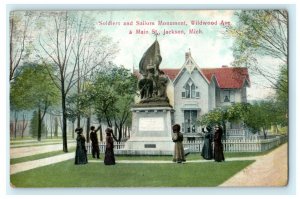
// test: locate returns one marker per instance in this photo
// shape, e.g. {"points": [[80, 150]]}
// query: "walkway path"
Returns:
{"points": [[24, 166], [268, 170], [170, 162], [28, 151], [35, 144]]}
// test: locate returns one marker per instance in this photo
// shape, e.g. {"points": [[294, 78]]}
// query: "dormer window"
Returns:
{"points": [[190, 90]]}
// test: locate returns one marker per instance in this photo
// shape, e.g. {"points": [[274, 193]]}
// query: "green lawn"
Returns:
{"points": [[66, 174]]}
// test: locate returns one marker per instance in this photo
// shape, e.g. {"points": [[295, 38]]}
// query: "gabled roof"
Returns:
{"points": [[228, 77], [171, 72], [192, 65]]}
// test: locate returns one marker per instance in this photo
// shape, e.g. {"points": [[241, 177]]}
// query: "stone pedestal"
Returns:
{"points": [[151, 132]]}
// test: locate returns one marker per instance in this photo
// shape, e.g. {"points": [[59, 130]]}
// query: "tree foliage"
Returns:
{"points": [[111, 95], [33, 90], [260, 33], [282, 96], [257, 117]]}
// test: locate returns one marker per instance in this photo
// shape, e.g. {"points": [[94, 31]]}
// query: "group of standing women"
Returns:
{"points": [[215, 151], [81, 152], [209, 151]]}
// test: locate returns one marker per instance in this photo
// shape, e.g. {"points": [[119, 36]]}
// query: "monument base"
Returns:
{"points": [[151, 132]]}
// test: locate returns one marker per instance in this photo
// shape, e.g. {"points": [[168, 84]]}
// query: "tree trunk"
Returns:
{"points": [[125, 131], [24, 125], [88, 124], [101, 133], [11, 129], [15, 125], [39, 133], [11, 49], [55, 127], [73, 128], [120, 132], [64, 119], [78, 121], [115, 133], [265, 134], [51, 126]]}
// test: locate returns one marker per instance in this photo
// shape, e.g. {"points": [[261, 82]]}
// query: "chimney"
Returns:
{"points": [[188, 54], [224, 66]]}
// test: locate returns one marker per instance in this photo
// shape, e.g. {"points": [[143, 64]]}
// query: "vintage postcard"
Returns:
{"points": [[148, 98]]}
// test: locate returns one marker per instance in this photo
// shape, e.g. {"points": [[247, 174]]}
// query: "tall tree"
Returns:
{"points": [[33, 89], [257, 34], [69, 46], [20, 40], [112, 92], [261, 116], [282, 96]]}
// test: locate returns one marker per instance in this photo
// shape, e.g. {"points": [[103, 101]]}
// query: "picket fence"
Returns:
{"points": [[230, 145], [117, 145], [240, 145]]}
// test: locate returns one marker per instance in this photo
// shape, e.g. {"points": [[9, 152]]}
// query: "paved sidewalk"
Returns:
{"points": [[268, 170], [33, 140], [28, 151], [170, 161], [34, 144], [24, 166]]}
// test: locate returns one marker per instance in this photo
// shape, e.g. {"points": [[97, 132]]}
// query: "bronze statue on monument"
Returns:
{"points": [[153, 84]]}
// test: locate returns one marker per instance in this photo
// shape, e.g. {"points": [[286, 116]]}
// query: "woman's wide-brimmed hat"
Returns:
{"points": [[78, 130], [108, 131]]}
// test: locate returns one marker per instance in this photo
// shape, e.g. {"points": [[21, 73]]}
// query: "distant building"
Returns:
{"points": [[194, 91]]}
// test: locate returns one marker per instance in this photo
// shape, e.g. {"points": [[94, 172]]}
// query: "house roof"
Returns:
{"points": [[171, 72], [226, 77]]}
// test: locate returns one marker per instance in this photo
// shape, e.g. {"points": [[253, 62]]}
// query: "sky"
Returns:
{"points": [[135, 30], [210, 48]]}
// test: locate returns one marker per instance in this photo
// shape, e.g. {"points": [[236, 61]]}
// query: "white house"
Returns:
{"points": [[194, 91]]}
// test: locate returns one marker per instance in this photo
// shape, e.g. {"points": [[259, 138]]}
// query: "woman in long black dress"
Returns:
{"points": [[81, 152], [207, 150], [109, 150], [218, 146]]}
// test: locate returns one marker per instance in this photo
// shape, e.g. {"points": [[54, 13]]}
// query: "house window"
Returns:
{"points": [[226, 96], [193, 91], [187, 91], [190, 90]]}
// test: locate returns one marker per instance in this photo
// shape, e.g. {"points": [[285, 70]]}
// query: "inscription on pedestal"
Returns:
{"points": [[150, 145], [151, 124]]}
